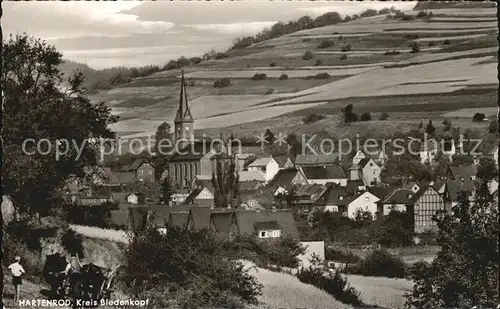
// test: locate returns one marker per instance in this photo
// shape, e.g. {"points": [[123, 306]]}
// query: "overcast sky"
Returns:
{"points": [[133, 33]]}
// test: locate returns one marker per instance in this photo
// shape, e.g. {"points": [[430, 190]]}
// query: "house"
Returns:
{"points": [[203, 196], [136, 198], [354, 187], [398, 200], [265, 224], [413, 187], [378, 156], [461, 172], [451, 188], [360, 155], [251, 185], [251, 204], [308, 196], [241, 159], [179, 196], [331, 198], [118, 179], [365, 201], [367, 170], [267, 165], [161, 213], [288, 177], [284, 162], [143, 169], [303, 160], [251, 176], [95, 200], [325, 174], [426, 202], [430, 149]]}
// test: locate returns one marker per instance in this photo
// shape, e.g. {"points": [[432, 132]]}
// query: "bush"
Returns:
{"points": [[392, 52], [270, 91], [198, 270], [478, 117], [406, 17], [171, 65], [341, 37], [415, 47], [366, 116], [283, 77], [307, 55], [421, 14], [334, 284], [272, 65], [195, 60], [259, 76], [343, 57], [318, 62], [446, 42], [380, 263], [221, 55], [220, 83], [342, 257], [321, 76], [384, 116], [73, 243], [431, 43], [346, 48], [326, 44], [311, 118]]}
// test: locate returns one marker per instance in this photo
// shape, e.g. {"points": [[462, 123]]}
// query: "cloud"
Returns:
{"points": [[75, 19], [234, 28]]}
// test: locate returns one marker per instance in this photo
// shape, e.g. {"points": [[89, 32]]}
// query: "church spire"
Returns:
{"points": [[183, 113]]}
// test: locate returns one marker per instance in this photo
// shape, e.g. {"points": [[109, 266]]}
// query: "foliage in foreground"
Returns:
{"points": [[380, 263], [465, 271], [334, 284], [186, 268]]}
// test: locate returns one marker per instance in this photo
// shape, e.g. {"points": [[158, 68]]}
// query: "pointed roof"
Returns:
{"points": [[183, 113]]}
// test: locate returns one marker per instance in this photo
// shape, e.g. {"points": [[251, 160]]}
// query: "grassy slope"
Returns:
{"points": [[153, 99]]}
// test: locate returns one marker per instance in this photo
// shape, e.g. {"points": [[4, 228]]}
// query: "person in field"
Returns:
{"points": [[17, 271]]}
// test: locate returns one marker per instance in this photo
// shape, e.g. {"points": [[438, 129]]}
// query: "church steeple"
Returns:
{"points": [[183, 113], [183, 123]]}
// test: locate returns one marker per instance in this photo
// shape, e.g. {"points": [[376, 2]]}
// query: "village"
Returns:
{"points": [[271, 196]]}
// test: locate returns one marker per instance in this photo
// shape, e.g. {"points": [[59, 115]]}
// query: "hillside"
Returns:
{"points": [[370, 63]]}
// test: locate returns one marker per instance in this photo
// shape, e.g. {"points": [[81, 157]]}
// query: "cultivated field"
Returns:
{"points": [[465, 68]]}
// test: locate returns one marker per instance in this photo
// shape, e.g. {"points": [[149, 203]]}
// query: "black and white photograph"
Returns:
{"points": [[250, 154]]}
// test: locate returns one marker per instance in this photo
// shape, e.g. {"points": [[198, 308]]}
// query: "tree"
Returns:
{"points": [[430, 128], [447, 125], [362, 218], [493, 127], [167, 190], [395, 229], [162, 137], [478, 117], [366, 116], [295, 146], [369, 13], [226, 186], [269, 137], [400, 169], [421, 125], [349, 115], [465, 271], [37, 107], [307, 55], [384, 116], [415, 47]]}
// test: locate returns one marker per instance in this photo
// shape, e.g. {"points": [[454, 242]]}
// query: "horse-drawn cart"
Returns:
{"points": [[89, 283]]}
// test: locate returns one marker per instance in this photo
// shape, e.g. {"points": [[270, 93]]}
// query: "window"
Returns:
{"points": [[341, 198], [263, 234], [371, 164]]}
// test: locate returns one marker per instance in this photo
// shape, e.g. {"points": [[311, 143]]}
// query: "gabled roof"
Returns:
{"points": [[399, 196], [249, 185], [284, 177], [199, 218], [193, 195], [466, 172], [221, 221], [315, 172], [380, 192], [365, 161], [178, 219], [261, 162], [352, 185], [161, 212], [309, 190], [281, 160], [333, 194], [336, 172], [420, 192], [251, 175], [135, 165], [267, 225], [316, 159], [247, 221], [220, 156], [122, 178], [454, 187]]}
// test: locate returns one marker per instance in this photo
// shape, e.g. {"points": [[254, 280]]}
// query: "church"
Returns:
{"points": [[192, 157]]}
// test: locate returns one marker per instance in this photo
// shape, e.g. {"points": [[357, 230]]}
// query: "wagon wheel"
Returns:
{"points": [[107, 284]]}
